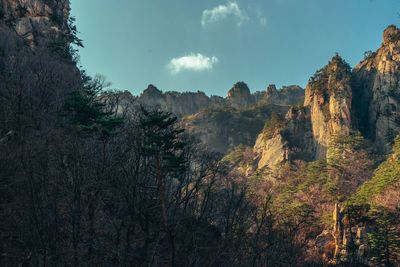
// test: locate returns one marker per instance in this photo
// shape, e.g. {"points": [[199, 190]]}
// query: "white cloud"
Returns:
{"points": [[221, 12], [192, 62]]}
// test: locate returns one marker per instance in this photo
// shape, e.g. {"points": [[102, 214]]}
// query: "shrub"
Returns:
{"points": [[368, 54], [319, 81], [394, 37], [275, 123]]}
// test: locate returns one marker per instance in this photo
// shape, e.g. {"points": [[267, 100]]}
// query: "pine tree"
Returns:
{"points": [[163, 145], [87, 117], [385, 240]]}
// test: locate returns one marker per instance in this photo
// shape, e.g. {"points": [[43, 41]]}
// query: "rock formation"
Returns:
{"points": [[338, 99], [37, 21], [239, 95], [328, 96], [334, 243], [376, 89]]}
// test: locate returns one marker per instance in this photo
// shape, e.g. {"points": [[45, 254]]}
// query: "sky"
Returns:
{"points": [[208, 45]]}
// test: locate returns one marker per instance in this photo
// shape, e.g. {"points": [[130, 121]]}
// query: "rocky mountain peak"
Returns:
{"points": [[151, 91], [329, 95], [271, 90], [325, 79], [239, 89], [240, 95]]}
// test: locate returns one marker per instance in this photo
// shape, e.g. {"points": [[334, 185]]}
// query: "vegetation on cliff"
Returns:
{"points": [[337, 70]]}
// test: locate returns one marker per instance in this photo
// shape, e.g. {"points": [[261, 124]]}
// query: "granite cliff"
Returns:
{"points": [[338, 99], [38, 22], [376, 83]]}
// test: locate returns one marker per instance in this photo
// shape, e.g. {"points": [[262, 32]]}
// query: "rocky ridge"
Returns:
{"points": [[375, 84], [239, 96], [338, 99]]}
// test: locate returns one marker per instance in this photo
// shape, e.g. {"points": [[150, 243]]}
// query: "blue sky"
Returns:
{"points": [[208, 45]]}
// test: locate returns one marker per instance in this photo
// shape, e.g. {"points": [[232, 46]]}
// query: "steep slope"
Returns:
{"points": [[328, 96], [306, 130], [376, 90], [340, 100]]}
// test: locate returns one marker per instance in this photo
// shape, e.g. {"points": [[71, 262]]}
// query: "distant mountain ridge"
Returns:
{"points": [[239, 96], [221, 123]]}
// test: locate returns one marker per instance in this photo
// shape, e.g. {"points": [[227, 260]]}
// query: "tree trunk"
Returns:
{"points": [[163, 213]]}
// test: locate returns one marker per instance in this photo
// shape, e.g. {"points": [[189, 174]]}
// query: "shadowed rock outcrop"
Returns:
{"points": [[376, 89], [239, 95]]}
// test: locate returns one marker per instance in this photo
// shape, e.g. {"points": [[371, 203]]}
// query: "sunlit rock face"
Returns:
{"points": [[271, 152], [376, 86], [293, 140], [338, 99], [329, 95], [37, 21]]}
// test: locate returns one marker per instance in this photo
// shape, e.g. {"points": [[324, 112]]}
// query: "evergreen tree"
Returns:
{"points": [[385, 240], [163, 145], [86, 115]]}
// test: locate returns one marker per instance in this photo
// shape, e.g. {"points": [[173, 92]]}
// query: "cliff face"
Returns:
{"points": [[308, 129], [376, 86], [271, 152], [338, 99], [291, 139], [37, 21], [223, 123], [329, 95]]}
